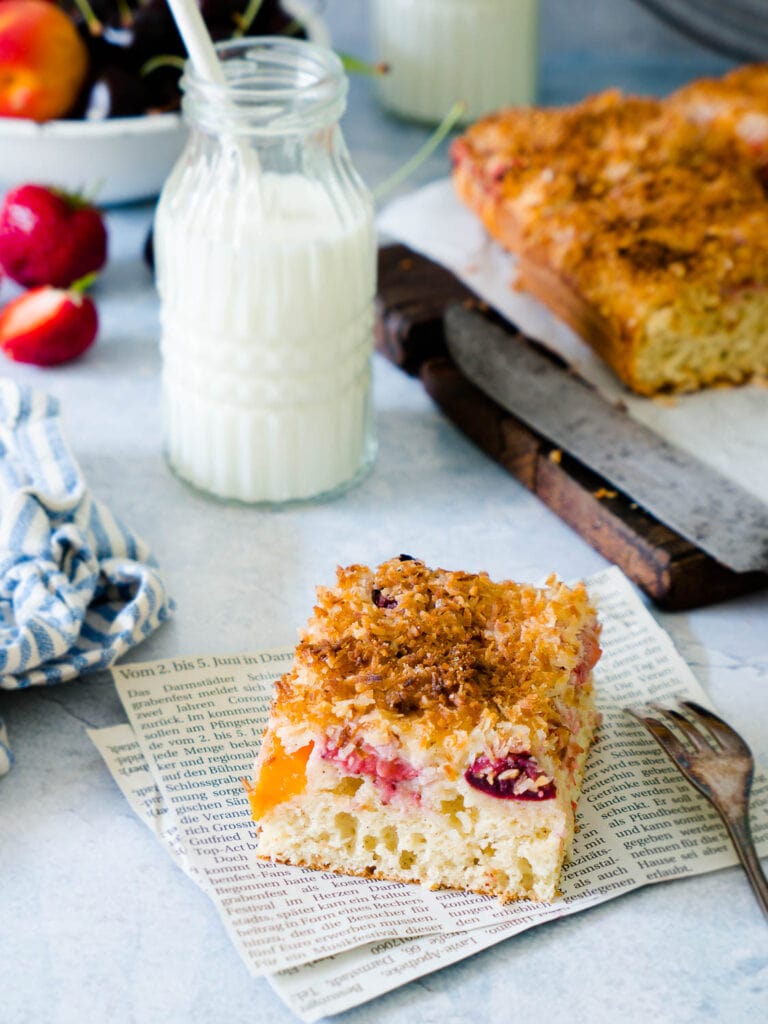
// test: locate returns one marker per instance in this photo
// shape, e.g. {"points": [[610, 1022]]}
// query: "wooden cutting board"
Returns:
{"points": [[413, 295]]}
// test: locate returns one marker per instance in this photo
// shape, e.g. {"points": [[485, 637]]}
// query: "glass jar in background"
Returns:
{"points": [[266, 255], [481, 51]]}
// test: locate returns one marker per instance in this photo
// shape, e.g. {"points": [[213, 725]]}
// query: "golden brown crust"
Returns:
{"points": [[535, 159], [687, 237], [621, 208], [438, 650], [539, 278], [736, 103], [382, 876], [501, 220]]}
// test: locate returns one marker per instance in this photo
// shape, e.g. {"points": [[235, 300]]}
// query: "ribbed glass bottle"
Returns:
{"points": [[266, 255], [439, 51]]}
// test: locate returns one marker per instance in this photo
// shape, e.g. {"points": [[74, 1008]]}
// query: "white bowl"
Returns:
{"points": [[118, 160], [114, 161]]}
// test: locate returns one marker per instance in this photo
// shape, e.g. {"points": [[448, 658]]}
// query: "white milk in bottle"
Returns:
{"points": [[265, 253]]}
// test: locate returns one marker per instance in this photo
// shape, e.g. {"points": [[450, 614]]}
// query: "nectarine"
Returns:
{"points": [[43, 61]]}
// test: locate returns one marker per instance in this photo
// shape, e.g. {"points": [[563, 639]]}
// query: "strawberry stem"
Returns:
{"points": [[424, 152], [82, 284], [77, 200]]}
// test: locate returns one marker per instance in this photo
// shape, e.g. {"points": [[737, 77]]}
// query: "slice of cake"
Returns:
{"points": [[665, 272], [434, 728], [641, 223]]}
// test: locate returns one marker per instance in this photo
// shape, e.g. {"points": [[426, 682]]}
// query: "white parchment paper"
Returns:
{"points": [[725, 427]]}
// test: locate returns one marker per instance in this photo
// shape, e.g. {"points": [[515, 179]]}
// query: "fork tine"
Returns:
{"points": [[724, 734], [663, 736], [701, 744]]}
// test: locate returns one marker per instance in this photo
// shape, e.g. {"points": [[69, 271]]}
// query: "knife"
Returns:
{"points": [[708, 509]]}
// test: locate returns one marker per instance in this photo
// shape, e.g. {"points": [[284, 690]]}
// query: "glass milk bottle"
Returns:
{"points": [[440, 51], [265, 253]]}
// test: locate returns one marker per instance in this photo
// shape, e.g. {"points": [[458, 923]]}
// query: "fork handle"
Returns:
{"points": [[741, 835]]}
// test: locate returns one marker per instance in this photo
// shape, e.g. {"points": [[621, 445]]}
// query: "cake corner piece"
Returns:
{"points": [[639, 222], [434, 728]]}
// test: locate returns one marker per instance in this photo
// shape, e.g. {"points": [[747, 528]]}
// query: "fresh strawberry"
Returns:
{"points": [[49, 237], [48, 325]]}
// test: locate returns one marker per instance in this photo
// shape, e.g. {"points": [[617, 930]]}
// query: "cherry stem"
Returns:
{"points": [[356, 66], [95, 26], [168, 60], [126, 14], [424, 152], [245, 20], [292, 28]]}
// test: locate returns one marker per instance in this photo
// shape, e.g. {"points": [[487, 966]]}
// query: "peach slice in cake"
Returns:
{"points": [[434, 728]]}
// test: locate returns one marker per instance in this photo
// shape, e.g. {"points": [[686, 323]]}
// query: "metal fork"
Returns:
{"points": [[718, 762]]}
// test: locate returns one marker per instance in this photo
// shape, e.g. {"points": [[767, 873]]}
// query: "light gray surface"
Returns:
{"points": [[96, 923]]}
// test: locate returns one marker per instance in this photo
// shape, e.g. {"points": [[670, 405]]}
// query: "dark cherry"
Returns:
{"points": [[150, 32], [121, 37], [110, 10], [162, 90], [483, 774], [407, 558], [125, 34], [155, 32], [222, 14], [105, 10], [381, 600], [130, 37], [115, 93], [272, 20], [99, 50]]}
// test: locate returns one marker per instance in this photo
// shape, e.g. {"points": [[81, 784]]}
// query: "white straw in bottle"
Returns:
{"points": [[205, 61], [197, 40]]}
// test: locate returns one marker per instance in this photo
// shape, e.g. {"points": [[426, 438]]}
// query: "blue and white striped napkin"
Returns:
{"points": [[77, 589]]}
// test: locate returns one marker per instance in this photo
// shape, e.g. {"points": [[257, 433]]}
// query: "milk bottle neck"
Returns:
{"points": [[276, 89]]}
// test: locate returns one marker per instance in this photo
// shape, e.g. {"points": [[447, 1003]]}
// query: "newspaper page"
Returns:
{"points": [[128, 767], [197, 722]]}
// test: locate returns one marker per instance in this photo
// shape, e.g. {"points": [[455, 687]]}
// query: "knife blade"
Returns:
{"points": [[708, 509]]}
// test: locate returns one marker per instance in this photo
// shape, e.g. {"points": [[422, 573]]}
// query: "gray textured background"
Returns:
{"points": [[621, 25], [568, 28]]}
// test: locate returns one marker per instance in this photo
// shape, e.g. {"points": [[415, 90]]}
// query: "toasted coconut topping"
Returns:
{"points": [[628, 193], [439, 650]]}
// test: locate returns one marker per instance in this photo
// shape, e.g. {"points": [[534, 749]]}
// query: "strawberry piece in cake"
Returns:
{"points": [[434, 728]]}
